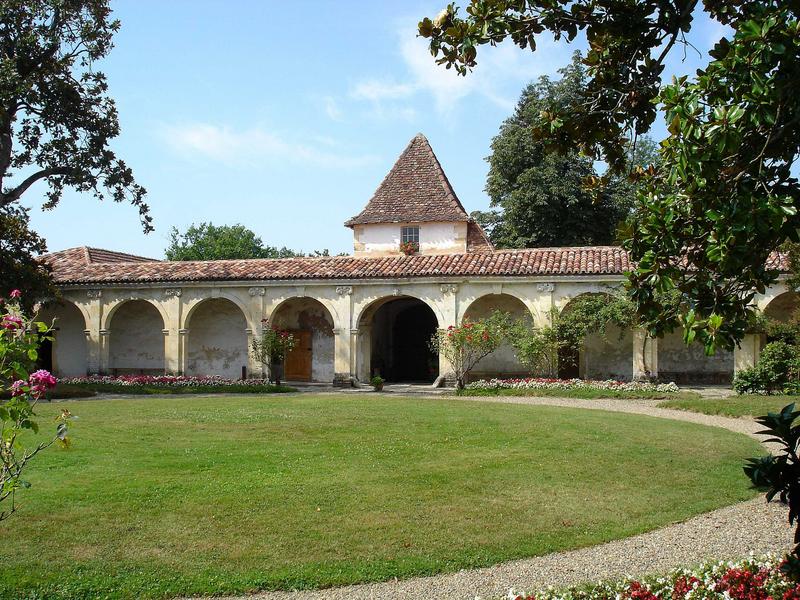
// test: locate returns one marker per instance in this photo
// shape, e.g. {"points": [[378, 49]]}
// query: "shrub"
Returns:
{"points": [[778, 474], [465, 346], [19, 343], [536, 348], [377, 383], [777, 368]]}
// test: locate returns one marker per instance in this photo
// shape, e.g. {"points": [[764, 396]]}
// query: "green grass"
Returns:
{"points": [[734, 406], [582, 393], [178, 496]]}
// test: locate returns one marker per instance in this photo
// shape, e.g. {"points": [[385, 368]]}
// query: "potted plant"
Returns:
{"points": [[409, 248], [377, 383], [271, 350]]}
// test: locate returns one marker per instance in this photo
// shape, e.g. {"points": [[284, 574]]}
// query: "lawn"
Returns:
{"points": [[733, 406], [187, 496]]}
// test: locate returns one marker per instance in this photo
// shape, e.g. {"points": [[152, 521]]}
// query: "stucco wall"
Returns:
{"points": [[308, 314], [136, 339], [217, 343], [689, 364], [434, 238], [503, 361], [69, 350], [607, 356]]}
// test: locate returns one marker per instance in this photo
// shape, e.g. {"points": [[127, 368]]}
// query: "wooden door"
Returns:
{"points": [[298, 361]]}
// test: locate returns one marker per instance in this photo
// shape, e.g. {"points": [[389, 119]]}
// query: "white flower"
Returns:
{"points": [[439, 20]]}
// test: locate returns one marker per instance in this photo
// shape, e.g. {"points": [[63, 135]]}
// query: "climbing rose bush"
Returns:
{"points": [[543, 383], [747, 579], [20, 337]]}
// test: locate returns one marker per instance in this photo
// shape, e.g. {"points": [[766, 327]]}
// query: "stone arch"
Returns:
{"points": [[312, 322], [112, 307], [783, 306], [192, 305], [136, 338], [608, 356], [216, 344], [503, 361], [66, 355], [393, 336]]}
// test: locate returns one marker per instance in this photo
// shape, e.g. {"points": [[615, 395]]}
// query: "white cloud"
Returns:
{"points": [[501, 73], [332, 108], [251, 147], [375, 90]]}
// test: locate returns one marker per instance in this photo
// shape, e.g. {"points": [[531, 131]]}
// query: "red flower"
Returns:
{"points": [[683, 586], [742, 584], [636, 591], [15, 293]]}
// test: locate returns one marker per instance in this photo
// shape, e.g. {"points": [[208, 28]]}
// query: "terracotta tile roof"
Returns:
{"points": [[73, 266], [415, 190], [477, 241]]}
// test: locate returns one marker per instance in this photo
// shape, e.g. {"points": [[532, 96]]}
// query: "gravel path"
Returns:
{"points": [[730, 532]]}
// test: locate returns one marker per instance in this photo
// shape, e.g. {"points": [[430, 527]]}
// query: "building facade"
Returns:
{"points": [[361, 315]]}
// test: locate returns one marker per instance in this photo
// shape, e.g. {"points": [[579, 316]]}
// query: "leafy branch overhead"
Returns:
{"points": [[56, 118], [723, 197]]}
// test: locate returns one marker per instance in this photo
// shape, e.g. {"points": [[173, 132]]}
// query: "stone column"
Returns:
{"points": [[341, 357], [645, 355], [94, 310], [362, 353], [174, 308], [183, 343], [104, 367], [747, 352]]}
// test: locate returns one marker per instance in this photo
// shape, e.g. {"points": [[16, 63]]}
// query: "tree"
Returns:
{"points": [[539, 195], [19, 267], [724, 196], [56, 118], [217, 242], [19, 341]]}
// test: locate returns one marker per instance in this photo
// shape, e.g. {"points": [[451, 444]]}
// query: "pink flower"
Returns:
{"points": [[15, 293], [11, 322], [16, 388], [42, 378]]}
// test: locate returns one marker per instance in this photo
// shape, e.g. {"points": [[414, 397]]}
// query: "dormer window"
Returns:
{"points": [[409, 234]]}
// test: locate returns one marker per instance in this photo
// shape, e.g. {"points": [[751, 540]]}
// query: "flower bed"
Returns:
{"points": [[541, 383], [747, 579], [146, 384]]}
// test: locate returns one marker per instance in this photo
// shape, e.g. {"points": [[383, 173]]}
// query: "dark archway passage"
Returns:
{"points": [[401, 331]]}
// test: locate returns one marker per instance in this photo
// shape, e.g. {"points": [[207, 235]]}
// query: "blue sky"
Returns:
{"points": [[285, 116]]}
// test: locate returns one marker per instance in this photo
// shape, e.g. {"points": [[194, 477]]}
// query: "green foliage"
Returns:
{"points": [[777, 371], [536, 348], [19, 343], [377, 382], [779, 474], [56, 118], [272, 348], [464, 346], [539, 195], [19, 249], [207, 241], [723, 197]]}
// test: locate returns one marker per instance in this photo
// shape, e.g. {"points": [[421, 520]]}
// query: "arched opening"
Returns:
{"points": [[217, 339], [502, 362], [607, 355], [66, 354], [395, 340], [311, 324], [783, 307], [136, 340]]}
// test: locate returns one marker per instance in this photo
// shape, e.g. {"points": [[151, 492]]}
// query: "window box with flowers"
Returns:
{"points": [[272, 348], [409, 248]]}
